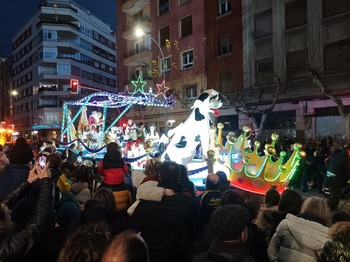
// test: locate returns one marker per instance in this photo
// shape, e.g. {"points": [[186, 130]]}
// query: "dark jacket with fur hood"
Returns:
{"points": [[337, 249]]}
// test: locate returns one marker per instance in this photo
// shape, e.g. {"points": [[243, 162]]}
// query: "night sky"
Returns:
{"points": [[14, 14]]}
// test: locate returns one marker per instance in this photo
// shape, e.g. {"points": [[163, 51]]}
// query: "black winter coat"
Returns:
{"points": [[14, 247], [168, 227], [339, 164]]}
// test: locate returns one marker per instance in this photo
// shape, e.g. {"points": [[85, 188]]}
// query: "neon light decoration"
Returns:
{"points": [[254, 173], [139, 85], [105, 100], [162, 89], [244, 167]]}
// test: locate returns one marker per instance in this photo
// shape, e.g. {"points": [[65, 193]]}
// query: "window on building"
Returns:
{"points": [[111, 44], [63, 69], [138, 72], [225, 43], [186, 26], [187, 59], [165, 65], [96, 36], [138, 46], [164, 34], [263, 24], [296, 64], [51, 118], [75, 70], [226, 82], [224, 6], [181, 2], [264, 71], [85, 30], [337, 57], [89, 76], [296, 13], [163, 7], [331, 7], [50, 35], [190, 93], [138, 17], [85, 44]]}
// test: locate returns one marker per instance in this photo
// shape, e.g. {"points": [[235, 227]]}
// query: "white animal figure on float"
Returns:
{"points": [[195, 129]]}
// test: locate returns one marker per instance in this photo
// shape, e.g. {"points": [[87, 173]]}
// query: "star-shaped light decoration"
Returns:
{"points": [[139, 85], [171, 101], [162, 89], [150, 96]]}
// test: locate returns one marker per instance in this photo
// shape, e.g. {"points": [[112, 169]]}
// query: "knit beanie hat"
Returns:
{"points": [[228, 221], [20, 152]]}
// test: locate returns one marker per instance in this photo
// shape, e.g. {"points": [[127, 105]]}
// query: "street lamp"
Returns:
{"points": [[139, 33], [13, 94]]}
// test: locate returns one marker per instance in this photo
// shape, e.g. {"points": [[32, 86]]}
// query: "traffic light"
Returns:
{"points": [[74, 84]]}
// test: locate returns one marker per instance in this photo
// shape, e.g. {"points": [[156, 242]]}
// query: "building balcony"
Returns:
{"points": [[59, 25], [131, 7], [138, 56]]}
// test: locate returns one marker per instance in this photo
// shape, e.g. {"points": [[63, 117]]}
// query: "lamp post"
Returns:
{"points": [[139, 32], [13, 95]]}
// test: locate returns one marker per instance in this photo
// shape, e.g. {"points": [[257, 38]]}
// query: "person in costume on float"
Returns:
{"points": [[99, 136], [86, 134], [153, 136], [131, 131], [141, 132]]}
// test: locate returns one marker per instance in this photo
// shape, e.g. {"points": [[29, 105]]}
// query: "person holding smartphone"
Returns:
{"points": [[30, 209]]}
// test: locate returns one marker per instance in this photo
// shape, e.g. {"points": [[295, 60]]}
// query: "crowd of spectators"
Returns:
{"points": [[65, 210]]}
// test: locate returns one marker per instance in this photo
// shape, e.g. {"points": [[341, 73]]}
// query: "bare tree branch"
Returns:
{"points": [[316, 80]]}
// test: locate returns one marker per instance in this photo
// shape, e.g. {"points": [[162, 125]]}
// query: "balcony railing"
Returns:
{"points": [[138, 50]]}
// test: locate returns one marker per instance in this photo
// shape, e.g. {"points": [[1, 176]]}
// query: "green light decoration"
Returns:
{"points": [[139, 85]]}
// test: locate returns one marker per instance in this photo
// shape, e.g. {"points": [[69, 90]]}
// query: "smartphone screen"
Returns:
{"points": [[42, 161]]}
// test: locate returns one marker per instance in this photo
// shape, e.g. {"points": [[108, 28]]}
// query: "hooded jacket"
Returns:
{"points": [[112, 168], [297, 239]]}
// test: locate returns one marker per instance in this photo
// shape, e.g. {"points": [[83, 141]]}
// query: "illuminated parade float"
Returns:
{"points": [[243, 165]]}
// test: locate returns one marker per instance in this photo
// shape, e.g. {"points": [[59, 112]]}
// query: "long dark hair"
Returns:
{"points": [[185, 181]]}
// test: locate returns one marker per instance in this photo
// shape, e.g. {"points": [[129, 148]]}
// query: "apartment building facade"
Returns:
{"points": [[5, 86], [245, 47], [172, 49], [288, 42], [62, 41]]}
